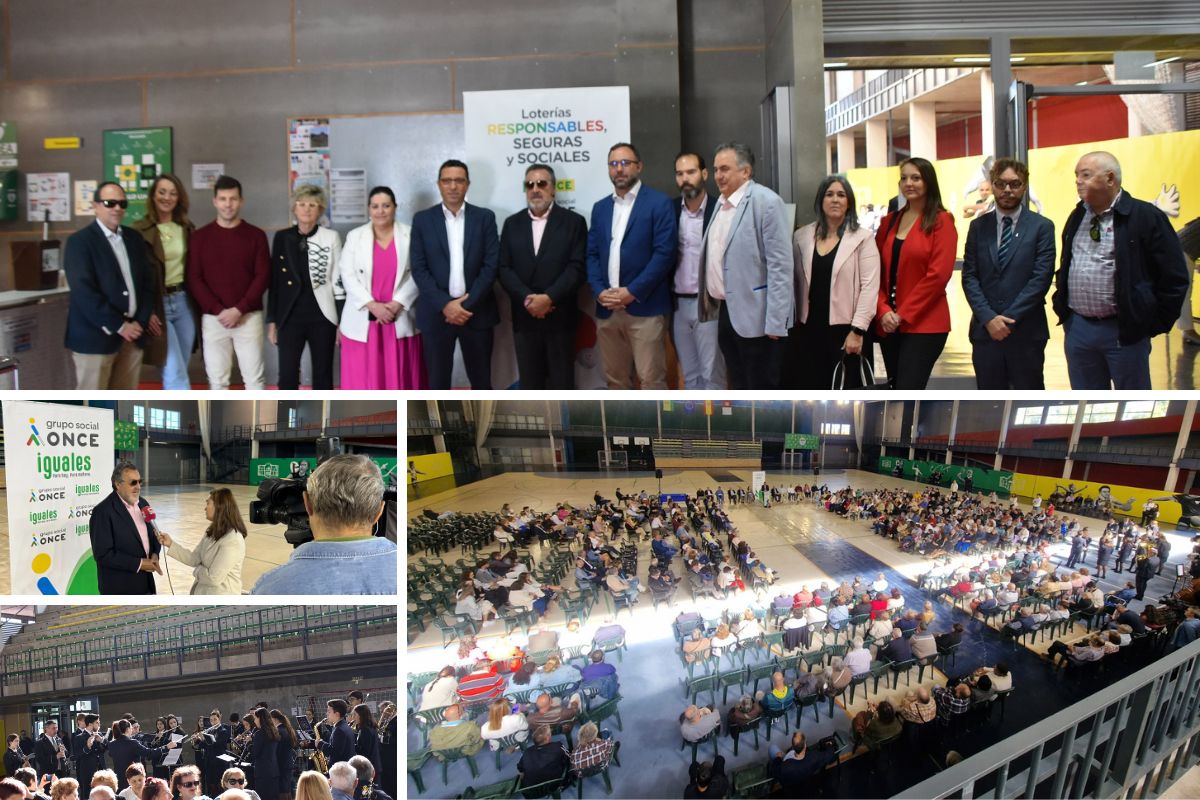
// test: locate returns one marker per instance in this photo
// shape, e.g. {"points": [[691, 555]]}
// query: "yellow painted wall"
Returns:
{"points": [[1027, 486], [1150, 165], [434, 465]]}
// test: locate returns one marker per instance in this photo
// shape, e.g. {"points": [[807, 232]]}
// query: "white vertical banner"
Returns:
{"points": [[58, 461], [757, 479], [569, 130]]}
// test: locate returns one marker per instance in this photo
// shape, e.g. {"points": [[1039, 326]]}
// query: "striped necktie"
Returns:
{"points": [[1006, 237]]}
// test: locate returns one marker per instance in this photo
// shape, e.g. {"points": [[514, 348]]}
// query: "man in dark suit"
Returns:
{"points": [[51, 752], [1008, 266], [454, 252], [631, 252], [111, 305], [87, 748], [340, 746], [123, 544], [696, 345], [543, 262], [1122, 280]]}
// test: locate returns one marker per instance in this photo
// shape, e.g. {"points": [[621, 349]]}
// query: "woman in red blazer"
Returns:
{"points": [[917, 247]]}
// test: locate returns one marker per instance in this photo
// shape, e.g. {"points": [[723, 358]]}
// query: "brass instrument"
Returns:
{"points": [[389, 713], [237, 744], [320, 762]]}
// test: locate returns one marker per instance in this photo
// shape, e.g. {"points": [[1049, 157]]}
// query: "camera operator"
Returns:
{"points": [[344, 500]]}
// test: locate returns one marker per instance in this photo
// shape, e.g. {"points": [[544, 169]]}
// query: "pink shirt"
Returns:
{"points": [[139, 522], [539, 227]]}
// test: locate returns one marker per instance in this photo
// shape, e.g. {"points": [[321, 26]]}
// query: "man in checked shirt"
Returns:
{"points": [[1122, 280]]}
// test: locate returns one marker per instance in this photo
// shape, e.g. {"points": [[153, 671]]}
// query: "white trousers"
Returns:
{"points": [[220, 343]]}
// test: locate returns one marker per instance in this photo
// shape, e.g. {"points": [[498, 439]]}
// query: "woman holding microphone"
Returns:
{"points": [[217, 560]]}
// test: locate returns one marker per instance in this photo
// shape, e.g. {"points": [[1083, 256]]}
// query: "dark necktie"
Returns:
{"points": [[1006, 237]]}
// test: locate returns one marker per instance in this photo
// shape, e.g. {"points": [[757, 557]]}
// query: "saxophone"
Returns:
{"points": [[320, 762]]}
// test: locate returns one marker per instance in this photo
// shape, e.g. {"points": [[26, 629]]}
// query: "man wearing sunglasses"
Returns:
{"points": [[1008, 265], [1122, 280], [543, 262], [123, 542], [110, 304]]}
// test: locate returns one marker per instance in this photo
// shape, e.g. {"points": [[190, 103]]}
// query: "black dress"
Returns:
{"points": [[816, 346]]}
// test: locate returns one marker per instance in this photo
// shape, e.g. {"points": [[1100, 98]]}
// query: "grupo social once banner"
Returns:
{"points": [[569, 130], [58, 462]]}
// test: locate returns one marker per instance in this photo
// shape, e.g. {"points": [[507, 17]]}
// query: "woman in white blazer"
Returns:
{"points": [[302, 303], [837, 286], [381, 347], [217, 560]]}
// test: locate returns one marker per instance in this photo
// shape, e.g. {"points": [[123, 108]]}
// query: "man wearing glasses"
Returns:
{"points": [[1008, 265], [123, 542], [1122, 280], [454, 251], [543, 261], [110, 304], [630, 255]]}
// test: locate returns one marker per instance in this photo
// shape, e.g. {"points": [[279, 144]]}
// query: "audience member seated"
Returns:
{"points": [[1000, 677], [722, 639], [707, 780], [601, 676], [837, 676], [1123, 615], [796, 768], [743, 712], [951, 638], [483, 683], [441, 691], [454, 731], [923, 643], [696, 722], [554, 673], [543, 762], [838, 614], [858, 659], [880, 630], [952, 702], [503, 721], [1089, 649], [591, 749], [877, 724], [748, 628], [779, 696], [1188, 630], [918, 707], [552, 711], [897, 650]]}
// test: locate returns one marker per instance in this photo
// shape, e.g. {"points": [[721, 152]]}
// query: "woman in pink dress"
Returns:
{"points": [[381, 347]]}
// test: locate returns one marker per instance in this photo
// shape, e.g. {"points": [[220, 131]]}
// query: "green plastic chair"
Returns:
{"points": [[601, 770], [554, 786], [494, 791], [450, 755], [415, 762]]}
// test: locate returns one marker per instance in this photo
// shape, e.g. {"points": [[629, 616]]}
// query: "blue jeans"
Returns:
{"points": [[1097, 360], [181, 336]]}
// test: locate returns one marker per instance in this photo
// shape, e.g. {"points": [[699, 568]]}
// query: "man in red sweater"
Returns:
{"points": [[228, 272]]}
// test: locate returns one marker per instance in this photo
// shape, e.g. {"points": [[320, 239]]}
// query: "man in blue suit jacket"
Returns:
{"points": [[124, 544], [111, 305], [1008, 266], [631, 254], [454, 253]]}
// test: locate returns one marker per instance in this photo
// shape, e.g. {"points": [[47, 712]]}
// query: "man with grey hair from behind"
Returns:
{"points": [[366, 788], [1122, 280], [342, 778], [344, 501]]}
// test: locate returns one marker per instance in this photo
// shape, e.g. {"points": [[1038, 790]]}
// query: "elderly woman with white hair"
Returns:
{"points": [[305, 287]]}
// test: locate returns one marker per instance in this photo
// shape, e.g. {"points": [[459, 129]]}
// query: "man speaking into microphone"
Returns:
{"points": [[123, 541]]}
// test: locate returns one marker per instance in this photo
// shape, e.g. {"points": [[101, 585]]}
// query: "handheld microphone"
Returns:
{"points": [[149, 516]]}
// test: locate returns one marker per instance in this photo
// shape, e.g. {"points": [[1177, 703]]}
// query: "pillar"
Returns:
{"points": [[808, 128], [988, 112], [435, 417], [912, 436], [845, 150], [953, 432], [1003, 434], [1070, 462], [253, 428], [829, 156], [1185, 430], [922, 127], [877, 143]]}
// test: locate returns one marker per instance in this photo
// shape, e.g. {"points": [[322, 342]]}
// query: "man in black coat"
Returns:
{"points": [[87, 748], [543, 762], [1146, 569], [111, 311], [340, 746], [51, 752], [543, 262], [14, 758], [124, 750], [1122, 280], [123, 541]]}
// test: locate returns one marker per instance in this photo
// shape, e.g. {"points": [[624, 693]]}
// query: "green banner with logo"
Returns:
{"points": [[125, 435], [936, 473], [801, 441], [263, 468], [134, 157]]}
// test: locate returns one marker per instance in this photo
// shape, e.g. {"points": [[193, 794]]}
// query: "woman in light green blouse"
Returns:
{"points": [[166, 229]]}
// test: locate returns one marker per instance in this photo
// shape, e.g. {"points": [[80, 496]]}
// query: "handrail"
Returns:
{"points": [[1127, 731]]}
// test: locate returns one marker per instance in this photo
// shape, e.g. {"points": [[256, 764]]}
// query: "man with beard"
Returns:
{"points": [[696, 345], [543, 262]]}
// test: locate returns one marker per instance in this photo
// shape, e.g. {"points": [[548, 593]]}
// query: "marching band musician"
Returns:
{"points": [[286, 752], [213, 742], [163, 731], [14, 758], [388, 746], [123, 749], [51, 755], [340, 746], [263, 754], [87, 748], [366, 742]]}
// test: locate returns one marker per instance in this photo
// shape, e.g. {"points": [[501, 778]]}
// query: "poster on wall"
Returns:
{"points": [[48, 192], [85, 191], [347, 196], [569, 130], [8, 171], [309, 155], [58, 462], [134, 157], [936, 473]]}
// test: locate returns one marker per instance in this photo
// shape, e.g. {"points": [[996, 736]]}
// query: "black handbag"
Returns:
{"points": [[866, 373]]}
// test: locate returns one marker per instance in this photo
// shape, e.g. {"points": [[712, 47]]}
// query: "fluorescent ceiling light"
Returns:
{"points": [[833, 64], [984, 59], [1162, 61], [1082, 83]]}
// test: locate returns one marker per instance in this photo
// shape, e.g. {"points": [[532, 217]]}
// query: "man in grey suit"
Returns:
{"points": [[747, 272], [1008, 266]]}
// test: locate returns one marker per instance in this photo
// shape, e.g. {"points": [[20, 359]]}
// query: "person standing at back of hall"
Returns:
{"points": [[917, 245], [1008, 265], [1122, 280], [229, 268], [455, 254], [746, 279], [631, 250]]}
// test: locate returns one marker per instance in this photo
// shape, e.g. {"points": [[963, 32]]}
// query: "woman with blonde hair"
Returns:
{"points": [[503, 721], [65, 789], [217, 559], [313, 786]]}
